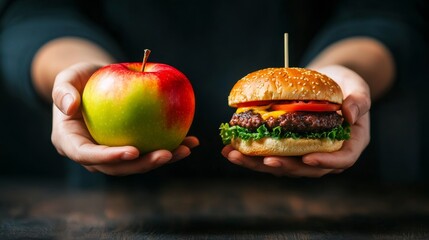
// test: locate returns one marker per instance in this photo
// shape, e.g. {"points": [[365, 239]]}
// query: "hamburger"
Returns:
{"points": [[285, 112]]}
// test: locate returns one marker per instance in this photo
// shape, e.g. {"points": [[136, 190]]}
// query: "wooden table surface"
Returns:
{"points": [[214, 209]]}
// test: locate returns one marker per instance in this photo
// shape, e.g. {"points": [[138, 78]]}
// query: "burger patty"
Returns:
{"points": [[292, 121]]}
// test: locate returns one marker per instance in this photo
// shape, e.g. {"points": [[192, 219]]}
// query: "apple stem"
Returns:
{"points": [[145, 57]]}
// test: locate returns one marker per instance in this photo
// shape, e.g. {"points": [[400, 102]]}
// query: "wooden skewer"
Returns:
{"points": [[286, 46]]}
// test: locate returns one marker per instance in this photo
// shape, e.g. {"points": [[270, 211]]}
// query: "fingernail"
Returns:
{"points": [[181, 155], [225, 152], [272, 163], [194, 144], [66, 102], [235, 161], [355, 112], [310, 162], [163, 160], [128, 156]]}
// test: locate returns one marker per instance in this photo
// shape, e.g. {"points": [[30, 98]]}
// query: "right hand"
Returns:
{"points": [[72, 139], [355, 109]]}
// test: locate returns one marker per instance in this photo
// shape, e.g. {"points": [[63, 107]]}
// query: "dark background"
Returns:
{"points": [[209, 50]]}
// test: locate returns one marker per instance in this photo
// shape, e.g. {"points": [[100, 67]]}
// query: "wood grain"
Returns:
{"points": [[214, 209]]}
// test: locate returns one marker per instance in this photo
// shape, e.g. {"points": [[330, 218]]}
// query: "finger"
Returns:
{"points": [[71, 139], [191, 142], [294, 167], [184, 149], [278, 166], [92, 154], [259, 164], [254, 163], [181, 152], [226, 150], [238, 158], [143, 164], [91, 169], [350, 151], [87, 153], [68, 86]]}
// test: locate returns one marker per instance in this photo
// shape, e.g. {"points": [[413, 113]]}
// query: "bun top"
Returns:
{"points": [[285, 84]]}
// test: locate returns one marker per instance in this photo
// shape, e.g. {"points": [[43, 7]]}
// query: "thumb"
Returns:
{"points": [[355, 106], [65, 96], [68, 86], [357, 100]]}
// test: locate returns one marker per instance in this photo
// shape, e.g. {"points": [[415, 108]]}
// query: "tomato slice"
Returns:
{"points": [[307, 106]]}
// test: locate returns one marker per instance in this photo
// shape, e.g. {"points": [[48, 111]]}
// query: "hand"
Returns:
{"points": [[72, 139], [355, 110]]}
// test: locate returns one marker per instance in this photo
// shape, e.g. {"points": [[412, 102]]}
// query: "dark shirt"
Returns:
{"points": [[214, 43]]}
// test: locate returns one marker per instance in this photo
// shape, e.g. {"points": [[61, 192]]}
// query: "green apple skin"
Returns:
{"points": [[150, 110]]}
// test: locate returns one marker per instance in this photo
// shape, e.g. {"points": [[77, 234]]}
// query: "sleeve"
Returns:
{"points": [[26, 26], [400, 25]]}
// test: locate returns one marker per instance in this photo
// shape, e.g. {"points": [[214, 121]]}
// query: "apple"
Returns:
{"points": [[147, 105]]}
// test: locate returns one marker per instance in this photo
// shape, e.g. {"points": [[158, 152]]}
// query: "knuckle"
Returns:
{"points": [[80, 159]]}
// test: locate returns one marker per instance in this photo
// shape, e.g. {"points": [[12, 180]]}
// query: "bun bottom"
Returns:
{"points": [[285, 147]]}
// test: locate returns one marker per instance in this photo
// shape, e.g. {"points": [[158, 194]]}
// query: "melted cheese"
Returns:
{"points": [[263, 110], [255, 109], [274, 114]]}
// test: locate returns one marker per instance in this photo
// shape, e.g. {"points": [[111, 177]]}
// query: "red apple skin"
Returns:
{"points": [[150, 110]]}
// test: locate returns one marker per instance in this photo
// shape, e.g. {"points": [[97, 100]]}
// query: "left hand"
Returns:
{"points": [[72, 139], [355, 110]]}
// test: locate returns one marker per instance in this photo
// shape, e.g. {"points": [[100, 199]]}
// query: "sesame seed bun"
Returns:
{"points": [[285, 84]]}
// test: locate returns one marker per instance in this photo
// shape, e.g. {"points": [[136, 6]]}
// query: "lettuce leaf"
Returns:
{"points": [[227, 133]]}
